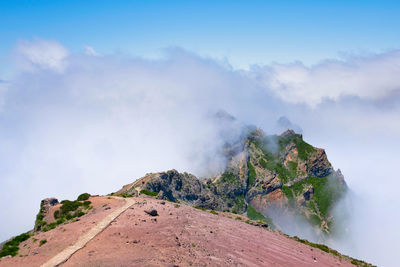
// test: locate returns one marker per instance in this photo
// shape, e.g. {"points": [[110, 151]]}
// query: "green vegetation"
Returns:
{"points": [[83, 197], [11, 247], [199, 208], [332, 251], [230, 178], [68, 210], [287, 192], [49, 226], [193, 245], [273, 163], [303, 148], [39, 223], [326, 191], [238, 218], [252, 173], [213, 212], [292, 165], [42, 242], [86, 203], [253, 214], [238, 206], [149, 193], [68, 206]]}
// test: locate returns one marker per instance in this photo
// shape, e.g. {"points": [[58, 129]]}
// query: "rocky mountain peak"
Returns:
{"points": [[263, 173]]}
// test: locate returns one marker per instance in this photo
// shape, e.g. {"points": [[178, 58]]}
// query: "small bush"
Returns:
{"points": [[68, 206], [78, 213], [87, 203], [199, 208], [11, 247], [42, 242], [238, 218], [56, 214], [50, 226], [213, 212], [149, 193], [60, 221], [83, 197]]}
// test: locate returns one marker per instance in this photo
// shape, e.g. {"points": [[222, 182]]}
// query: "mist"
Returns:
{"points": [[74, 122]]}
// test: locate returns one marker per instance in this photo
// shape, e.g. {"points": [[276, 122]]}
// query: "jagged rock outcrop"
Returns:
{"points": [[175, 186], [45, 206]]}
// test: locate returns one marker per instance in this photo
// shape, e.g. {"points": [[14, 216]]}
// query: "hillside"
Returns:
{"points": [[179, 235]]}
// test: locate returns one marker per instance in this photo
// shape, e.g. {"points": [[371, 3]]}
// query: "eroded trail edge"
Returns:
{"points": [[64, 255]]}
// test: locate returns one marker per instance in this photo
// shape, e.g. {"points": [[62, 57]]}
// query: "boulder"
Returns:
{"points": [[152, 212]]}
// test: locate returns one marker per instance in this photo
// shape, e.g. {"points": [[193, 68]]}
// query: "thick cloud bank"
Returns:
{"points": [[77, 122], [370, 77]]}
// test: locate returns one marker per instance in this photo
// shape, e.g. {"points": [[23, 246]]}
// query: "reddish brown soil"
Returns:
{"points": [[179, 236]]}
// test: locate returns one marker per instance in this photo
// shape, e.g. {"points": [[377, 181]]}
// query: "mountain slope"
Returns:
{"points": [[180, 235]]}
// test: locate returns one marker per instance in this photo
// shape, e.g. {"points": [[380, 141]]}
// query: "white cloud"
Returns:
{"points": [[42, 54], [370, 77]]}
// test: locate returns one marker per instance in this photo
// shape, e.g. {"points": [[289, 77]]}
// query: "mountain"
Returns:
{"points": [[174, 219], [265, 175]]}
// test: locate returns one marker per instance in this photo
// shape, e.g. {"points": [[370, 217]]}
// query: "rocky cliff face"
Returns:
{"points": [[264, 174]]}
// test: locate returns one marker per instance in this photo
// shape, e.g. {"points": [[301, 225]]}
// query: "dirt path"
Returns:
{"points": [[64, 255]]}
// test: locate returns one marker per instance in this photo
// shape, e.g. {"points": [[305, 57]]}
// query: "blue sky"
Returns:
{"points": [[244, 32]]}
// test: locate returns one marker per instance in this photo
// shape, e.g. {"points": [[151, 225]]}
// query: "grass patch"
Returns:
{"points": [[303, 148], [49, 226], [199, 208], [252, 173], [238, 206], [253, 214], [12, 247], [42, 242], [326, 191], [230, 178], [238, 218], [332, 251], [149, 193], [213, 212]]}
